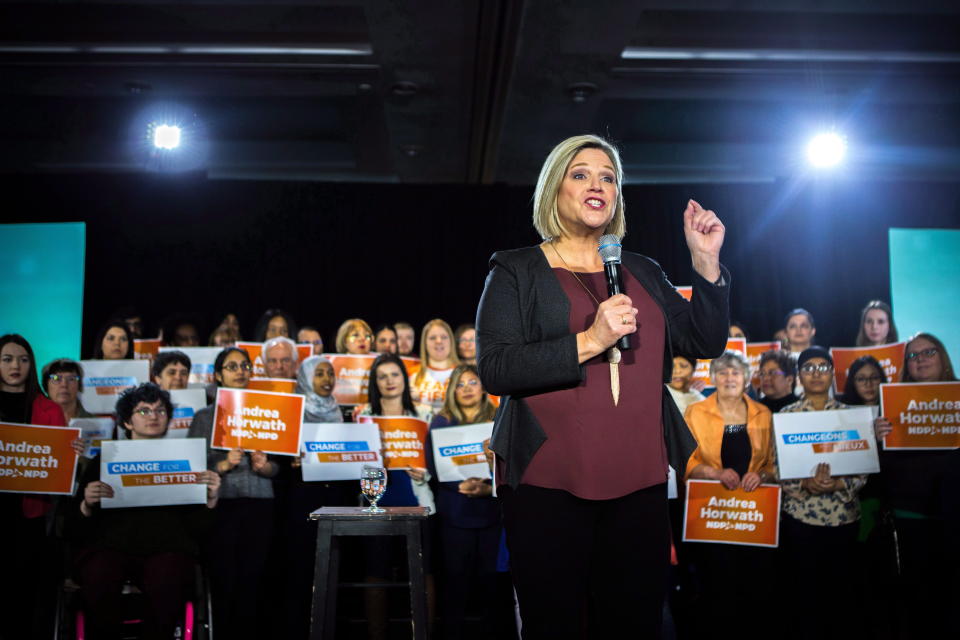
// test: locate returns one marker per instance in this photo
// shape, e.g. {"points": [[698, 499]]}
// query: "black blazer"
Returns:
{"points": [[525, 347]]}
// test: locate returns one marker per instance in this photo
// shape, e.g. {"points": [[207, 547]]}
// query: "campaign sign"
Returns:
{"points": [[93, 431], [35, 459], [258, 421], [890, 357], [255, 353], [843, 438], [411, 364], [277, 385], [353, 376], [711, 513], [201, 362], [147, 473], [702, 372], [186, 403], [458, 451], [924, 415], [146, 348], [402, 439], [105, 380], [686, 291], [338, 451]]}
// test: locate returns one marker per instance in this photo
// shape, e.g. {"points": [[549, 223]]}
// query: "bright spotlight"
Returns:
{"points": [[826, 150], [166, 136]]}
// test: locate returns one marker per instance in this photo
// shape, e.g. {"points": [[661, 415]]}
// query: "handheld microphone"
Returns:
{"points": [[610, 252]]}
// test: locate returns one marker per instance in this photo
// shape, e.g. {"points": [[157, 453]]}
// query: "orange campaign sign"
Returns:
{"points": [[924, 415], [353, 376], [36, 459], [686, 291], [277, 385], [712, 513], [890, 357], [255, 353], [146, 348], [412, 365], [402, 439], [258, 421], [754, 351], [702, 372]]}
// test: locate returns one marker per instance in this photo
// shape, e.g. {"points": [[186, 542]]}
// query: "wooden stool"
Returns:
{"points": [[352, 521]]}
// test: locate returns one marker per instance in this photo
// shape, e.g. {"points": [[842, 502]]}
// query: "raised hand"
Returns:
{"points": [[704, 233]]}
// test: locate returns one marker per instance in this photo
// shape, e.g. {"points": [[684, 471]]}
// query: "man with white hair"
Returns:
{"points": [[280, 358]]}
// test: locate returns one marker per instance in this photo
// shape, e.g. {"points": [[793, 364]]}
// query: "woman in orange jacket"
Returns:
{"points": [[735, 447]]}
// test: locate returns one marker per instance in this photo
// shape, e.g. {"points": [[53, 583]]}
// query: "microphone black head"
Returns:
{"points": [[610, 249]]}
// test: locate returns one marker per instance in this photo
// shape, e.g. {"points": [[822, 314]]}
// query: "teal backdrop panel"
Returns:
{"points": [[925, 284], [41, 286]]}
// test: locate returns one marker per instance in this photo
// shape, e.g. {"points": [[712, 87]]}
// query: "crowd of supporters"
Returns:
{"points": [[857, 553]]}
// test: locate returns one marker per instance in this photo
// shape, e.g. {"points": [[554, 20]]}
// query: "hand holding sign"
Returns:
{"points": [[821, 482], [259, 462], [882, 428], [92, 494], [212, 480], [729, 478], [475, 488], [750, 481]]}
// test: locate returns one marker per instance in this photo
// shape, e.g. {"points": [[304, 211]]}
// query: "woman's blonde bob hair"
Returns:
{"points": [[546, 218], [340, 343]]}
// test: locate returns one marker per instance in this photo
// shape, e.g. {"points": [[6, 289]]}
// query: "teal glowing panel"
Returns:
{"points": [[41, 289], [925, 284]]}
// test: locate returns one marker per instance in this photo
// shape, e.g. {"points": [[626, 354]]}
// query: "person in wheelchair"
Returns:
{"points": [[155, 548]]}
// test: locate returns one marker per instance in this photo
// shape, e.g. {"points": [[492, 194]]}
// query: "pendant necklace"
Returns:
{"points": [[613, 354]]}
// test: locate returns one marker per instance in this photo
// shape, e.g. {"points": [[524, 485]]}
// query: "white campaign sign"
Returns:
{"points": [[145, 473], [842, 438], [105, 380], [186, 403], [458, 451], [201, 362], [93, 431], [337, 451]]}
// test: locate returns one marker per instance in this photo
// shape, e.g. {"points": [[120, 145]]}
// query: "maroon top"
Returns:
{"points": [[596, 450]]}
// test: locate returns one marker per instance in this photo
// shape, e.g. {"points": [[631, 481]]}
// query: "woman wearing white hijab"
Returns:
{"points": [[315, 380]]}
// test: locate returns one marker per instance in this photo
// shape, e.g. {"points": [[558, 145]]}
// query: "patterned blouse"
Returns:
{"points": [[830, 509]]}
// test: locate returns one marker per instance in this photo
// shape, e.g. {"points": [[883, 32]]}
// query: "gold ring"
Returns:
{"points": [[623, 319]]}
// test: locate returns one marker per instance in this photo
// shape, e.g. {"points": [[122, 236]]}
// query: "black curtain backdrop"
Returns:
{"points": [[385, 252]]}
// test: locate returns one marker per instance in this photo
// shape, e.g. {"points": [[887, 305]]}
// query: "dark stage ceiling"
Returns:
{"points": [[477, 91]]}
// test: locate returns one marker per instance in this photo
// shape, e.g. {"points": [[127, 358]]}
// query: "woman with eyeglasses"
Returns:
{"points": [[917, 487], [863, 382], [244, 525], [820, 517], [354, 336], [62, 380], [778, 377], [466, 340], [438, 357], [469, 516]]}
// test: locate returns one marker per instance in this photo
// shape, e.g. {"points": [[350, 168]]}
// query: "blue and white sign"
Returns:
{"points": [[844, 439], [337, 451], [458, 451], [144, 473]]}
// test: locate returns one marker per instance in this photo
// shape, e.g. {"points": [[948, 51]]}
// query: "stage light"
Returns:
{"points": [[166, 136], [826, 150]]}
